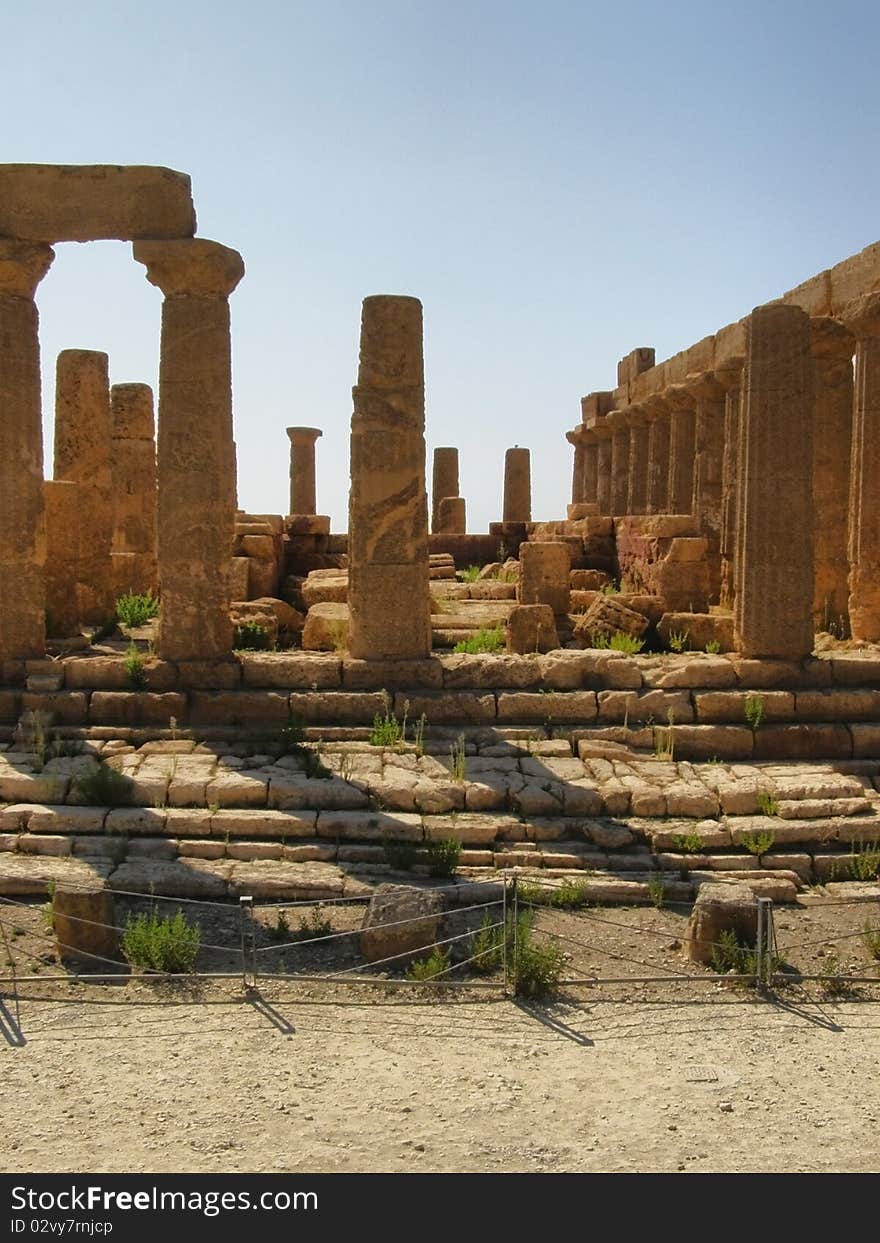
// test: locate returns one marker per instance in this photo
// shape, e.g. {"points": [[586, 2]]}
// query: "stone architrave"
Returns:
{"points": [[444, 480], [576, 439], [774, 602], [729, 378], [133, 472], [22, 526], [637, 484], [709, 401], [388, 505], [195, 444], [517, 485], [302, 469], [863, 319], [658, 456], [452, 517], [617, 424], [682, 421], [832, 347], [83, 455], [544, 575]]}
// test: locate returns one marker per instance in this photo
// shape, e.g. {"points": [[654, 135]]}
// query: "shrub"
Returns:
{"points": [[471, 574], [656, 891], [486, 639], [437, 963], [314, 926], [536, 968], [157, 943], [689, 843], [871, 934], [862, 863], [567, 896], [443, 857], [400, 855], [250, 636], [104, 787], [459, 760], [134, 610], [758, 843], [386, 731], [731, 953], [134, 668], [487, 946]]}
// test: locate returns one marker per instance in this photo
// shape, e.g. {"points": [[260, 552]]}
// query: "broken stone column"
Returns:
{"points": [[616, 422], [517, 485], [302, 469], [576, 439], [22, 531], [444, 480], [388, 504], [195, 446], [452, 516], [729, 377], [682, 420], [863, 319], [83, 454], [709, 401], [774, 602], [832, 347], [544, 575], [658, 455], [62, 501], [597, 460], [637, 484], [133, 474]]}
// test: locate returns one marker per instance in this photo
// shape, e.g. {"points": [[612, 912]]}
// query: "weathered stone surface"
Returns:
{"points": [[864, 546], [531, 628], [517, 486], [607, 617], [495, 672], [400, 922], [544, 571], [326, 628], [452, 515], [702, 629], [302, 469], [444, 481], [578, 707], [721, 908], [724, 706]]}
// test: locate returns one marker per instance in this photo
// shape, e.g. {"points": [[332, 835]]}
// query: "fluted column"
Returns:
{"points": [[133, 471], [22, 527], [729, 377], [709, 402], [517, 485], [388, 503], [444, 480], [658, 456], [616, 422], [682, 423], [302, 469], [591, 467], [603, 469], [576, 439], [774, 601], [863, 319], [832, 347], [196, 455], [639, 437]]}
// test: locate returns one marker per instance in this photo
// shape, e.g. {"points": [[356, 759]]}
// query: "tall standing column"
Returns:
{"points": [[658, 456], [639, 435], [83, 455], [682, 421], [388, 503], [444, 481], [591, 467], [603, 469], [774, 602], [576, 439], [708, 467], [864, 495], [517, 485], [133, 472], [832, 347], [729, 377], [22, 528], [196, 452], [616, 421], [302, 469]]}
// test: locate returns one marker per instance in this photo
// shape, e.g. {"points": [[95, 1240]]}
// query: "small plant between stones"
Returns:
{"points": [[620, 641], [134, 668], [754, 711], [437, 963], [133, 609], [768, 803], [712, 648], [688, 843], [104, 787], [459, 762], [678, 640], [759, 842], [443, 857], [250, 636], [485, 640]]}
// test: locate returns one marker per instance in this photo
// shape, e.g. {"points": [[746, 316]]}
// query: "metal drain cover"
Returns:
{"points": [[700, 1074]]}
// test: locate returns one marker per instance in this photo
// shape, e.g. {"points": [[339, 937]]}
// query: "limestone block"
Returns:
{"points": [[544, 575], [85, 926], [415, 914], [238, 578], [720, 908], [83, 203], [326, 628], [607, 617], [531, 628], [702, 629], [588, 580], [323, 588], [452, 516]]}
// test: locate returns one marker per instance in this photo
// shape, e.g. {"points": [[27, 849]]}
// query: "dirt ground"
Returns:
{"points": [[699, 1074]]}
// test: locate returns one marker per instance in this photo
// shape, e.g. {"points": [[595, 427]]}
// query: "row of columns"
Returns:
{"points": [[776, 454], [195, 459]]}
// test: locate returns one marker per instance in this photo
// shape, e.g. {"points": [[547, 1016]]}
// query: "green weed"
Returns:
{"points": [[459, 761], [134, 610], [754, 710], [486, 639], [713, 647], [437, 963], [250, 636], [443, 857], [759, 842], [768, 803], [104, 787], [678, 640], [157, 943], [134, 668]]}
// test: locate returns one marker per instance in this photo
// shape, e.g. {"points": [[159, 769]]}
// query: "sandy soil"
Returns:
{"points": [[305, 1077]]}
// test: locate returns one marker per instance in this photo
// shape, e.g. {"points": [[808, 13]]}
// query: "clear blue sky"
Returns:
{"points": [[558, 182]]}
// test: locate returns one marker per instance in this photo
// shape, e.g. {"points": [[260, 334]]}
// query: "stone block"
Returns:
{"points": [[531, 628], [544, 575], [326, 628], [721, 908]]}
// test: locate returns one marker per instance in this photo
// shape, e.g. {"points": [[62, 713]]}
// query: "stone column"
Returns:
{"points": [[682, 421], [774, 602], [591, 468], [444, 481], [729, 378], [195, 446], [616, 422], [863, 319], [302, 469], [576, 439], [22, 529], [603, 469], [452, 519], [133, 473], [63, 509], [708, 464], [639, 435], [83, 454], [658, 456], [517, 485], [388, 505], [833, 347]]}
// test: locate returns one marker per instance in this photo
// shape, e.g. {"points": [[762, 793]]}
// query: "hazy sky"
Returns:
{"points": [[557, 182]]}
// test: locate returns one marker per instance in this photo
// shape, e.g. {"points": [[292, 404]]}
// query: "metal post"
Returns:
{"points": [[248, 944], [515, 932], [759, 945], [769, 940], [504, 935]]}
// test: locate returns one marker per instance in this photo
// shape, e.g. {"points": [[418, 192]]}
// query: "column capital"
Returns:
{"points": [[704, 385], [678, 397], [729, 373], [577, 436], [190, 267], [22, 266], [862, 316], [615, 421], [637, 415], [830, 340], [303, 435]]}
